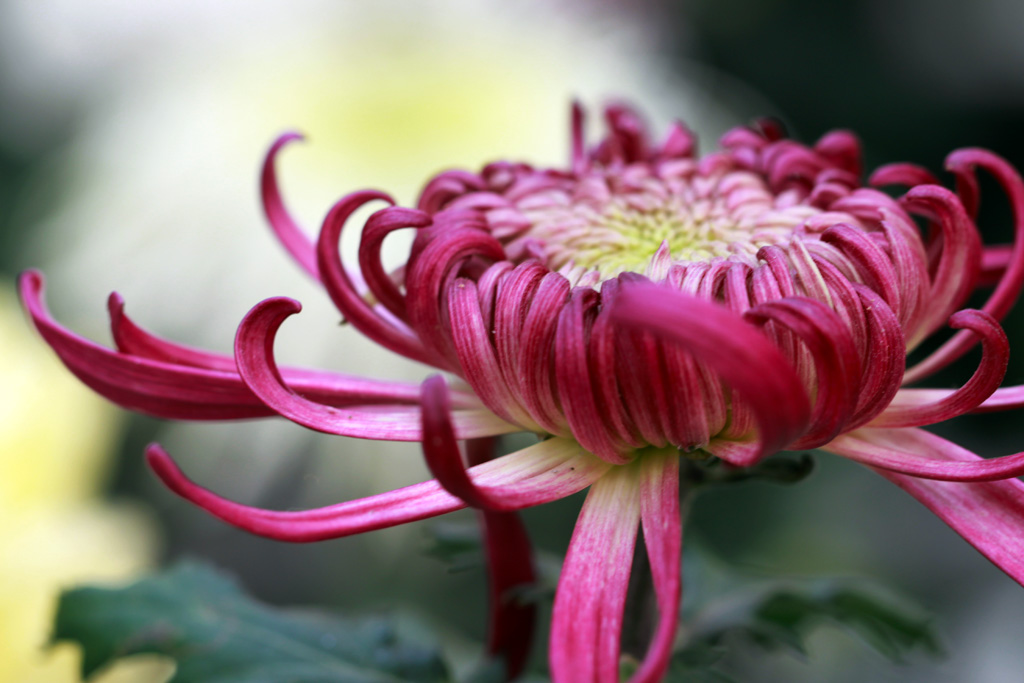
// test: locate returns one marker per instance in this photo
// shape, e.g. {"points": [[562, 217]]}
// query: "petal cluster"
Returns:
{"points": [[641, 305]]}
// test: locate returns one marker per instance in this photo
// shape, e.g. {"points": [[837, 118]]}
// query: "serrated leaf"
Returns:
{"points": [[218, 634]]}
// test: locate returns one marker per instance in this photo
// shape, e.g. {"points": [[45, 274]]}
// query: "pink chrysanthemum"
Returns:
{"points": [[642, 306]]}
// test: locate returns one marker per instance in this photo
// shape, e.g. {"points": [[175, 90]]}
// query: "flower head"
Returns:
{"points": [[642, 306]]}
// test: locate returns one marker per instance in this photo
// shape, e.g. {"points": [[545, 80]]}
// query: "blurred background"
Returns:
{"points": [[130, 140]]}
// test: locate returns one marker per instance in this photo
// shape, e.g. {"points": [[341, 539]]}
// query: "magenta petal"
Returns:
{"points": [[298, 244], [959, 261], [325, 387], [133, 340], [445, 462], [254, 344], [540, 470], [731, 347], [836, 362], [995, 260], [379, 226], [148, 386], [902, 174], [510, 569], [918, 453], [575, 383], [340, 287], [586, 624], [344, 519], [663, 535], [983, 383], [963, 163], [989, 515]]}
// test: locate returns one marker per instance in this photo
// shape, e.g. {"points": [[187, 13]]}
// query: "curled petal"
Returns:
{"points": [[731, 347], [994, 262], [149, 386], [883, 360], [918, 453], [680, 142], [254, 344], [133, 340], [539, 468], [873, 263], [1003, 398], [842, 148], [326, 387], [342, 291], [471, 336], [445, 462], [586, 624], [983, 383], [910, 175], [836, 362], [435, 266], [963, 163], [574, 381], [989, 515], [539, 392], [957, 269], [298, 244], [379, 226]]}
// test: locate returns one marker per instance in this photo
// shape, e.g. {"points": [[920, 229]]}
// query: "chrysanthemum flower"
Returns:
{"points": [[642, 307]]}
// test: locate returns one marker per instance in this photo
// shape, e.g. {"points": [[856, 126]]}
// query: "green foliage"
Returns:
{"points": [[782, 615], [217, 634]]}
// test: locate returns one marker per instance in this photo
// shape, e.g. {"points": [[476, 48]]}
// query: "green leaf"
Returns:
{"points": [[217, 634], [782, 615]]}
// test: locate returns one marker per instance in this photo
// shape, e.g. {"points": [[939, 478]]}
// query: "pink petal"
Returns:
{"points": [[872, 263], [574, 381], [918, 453], [472, 338], [902, 174], [586, 623], [743, 356], [509, 570], [326, 387], [963, 163], [983, 383], [152, 387], [254, 355], [298, 244], [989, 515], [377, 228], [445, 462], [456, 237], [663, 536], [339, 284], [540, 468], [994, 262], [836, 363], [959, 260]]}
